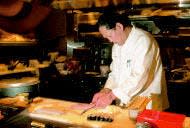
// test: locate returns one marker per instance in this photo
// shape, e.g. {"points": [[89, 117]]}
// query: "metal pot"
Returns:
{"points": [[12, 87]]}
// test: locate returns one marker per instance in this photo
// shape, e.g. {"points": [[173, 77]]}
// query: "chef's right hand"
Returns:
{"points": [[103, 98]]}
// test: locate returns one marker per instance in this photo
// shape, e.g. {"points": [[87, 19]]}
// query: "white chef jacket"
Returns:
{"points": [[136, 68]]}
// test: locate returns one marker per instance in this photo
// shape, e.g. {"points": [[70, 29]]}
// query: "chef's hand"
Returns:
{"points": [[103, 98]]}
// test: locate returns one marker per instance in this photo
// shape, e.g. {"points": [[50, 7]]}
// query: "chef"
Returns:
{"points": [[136, 68]]}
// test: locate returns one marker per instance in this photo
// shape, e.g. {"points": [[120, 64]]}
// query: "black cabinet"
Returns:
{"points": [[178, 94]]}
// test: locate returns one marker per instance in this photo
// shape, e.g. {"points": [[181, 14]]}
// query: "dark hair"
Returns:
{"points": [[109, 19]]}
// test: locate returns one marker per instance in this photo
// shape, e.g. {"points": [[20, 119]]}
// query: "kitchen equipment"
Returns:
{"points": [[7, 111], [84, 55], [166, 24], [104, 70], [73, 45], [12, 87], [158, 119]]}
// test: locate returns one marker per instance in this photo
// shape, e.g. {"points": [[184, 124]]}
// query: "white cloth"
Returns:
{"points": [[136, 67]]}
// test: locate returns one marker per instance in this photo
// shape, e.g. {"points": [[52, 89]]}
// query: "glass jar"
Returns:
{"points": [[143, 125]]}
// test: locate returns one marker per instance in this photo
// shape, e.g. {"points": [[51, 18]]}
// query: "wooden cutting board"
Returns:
{"points": [[61, 111]]}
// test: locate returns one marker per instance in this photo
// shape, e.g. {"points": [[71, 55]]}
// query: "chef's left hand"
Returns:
{"points": [[103, 99]]}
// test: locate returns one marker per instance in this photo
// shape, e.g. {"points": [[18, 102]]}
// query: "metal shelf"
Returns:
{"points": [[14, 43], [17, 71]]}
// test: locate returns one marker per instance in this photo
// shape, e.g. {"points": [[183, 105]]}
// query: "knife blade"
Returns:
{"points": [[85, 110]]}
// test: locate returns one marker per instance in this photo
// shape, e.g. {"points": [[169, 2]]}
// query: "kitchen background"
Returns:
{"points": [[67, 50]]}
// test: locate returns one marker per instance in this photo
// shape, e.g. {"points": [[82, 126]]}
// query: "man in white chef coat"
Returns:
{"points": [[136, 68]]}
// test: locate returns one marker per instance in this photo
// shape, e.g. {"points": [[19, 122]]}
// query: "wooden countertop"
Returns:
{"points": [[62, 112]]}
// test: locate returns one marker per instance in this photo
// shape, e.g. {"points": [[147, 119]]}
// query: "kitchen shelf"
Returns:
{"points": [[20, 43], [97, 34], [27, 69], [18, 71]]}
